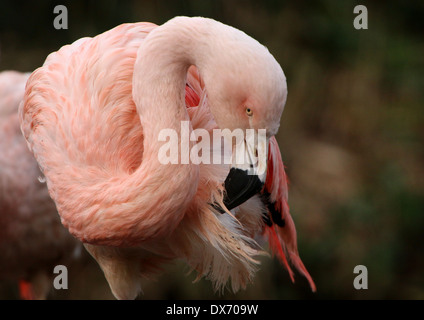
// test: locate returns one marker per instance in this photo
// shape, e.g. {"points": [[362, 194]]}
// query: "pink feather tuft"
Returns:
{"points": [[282, 239], [275, 245]]}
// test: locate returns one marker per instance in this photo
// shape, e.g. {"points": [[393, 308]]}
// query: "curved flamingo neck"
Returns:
{"points": [[148, 204], [159, 79]]}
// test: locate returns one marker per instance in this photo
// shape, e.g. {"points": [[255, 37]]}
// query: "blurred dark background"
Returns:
{"points": [[351, 135]]}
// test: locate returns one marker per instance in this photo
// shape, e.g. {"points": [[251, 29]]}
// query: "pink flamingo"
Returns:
{"points": [[32, 239], [92, 115]]}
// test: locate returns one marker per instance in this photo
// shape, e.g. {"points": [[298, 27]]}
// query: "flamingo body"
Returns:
{"points": [[91, 116], [32, 239]]}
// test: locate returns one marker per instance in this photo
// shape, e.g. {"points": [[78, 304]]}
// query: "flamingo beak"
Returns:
{"points": [[248, 171]]}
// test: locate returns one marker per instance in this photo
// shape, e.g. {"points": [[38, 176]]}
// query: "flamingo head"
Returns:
{"points": [[247, 92]]}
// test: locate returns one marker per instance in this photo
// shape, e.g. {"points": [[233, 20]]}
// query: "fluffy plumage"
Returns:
{"points": [[32, 239], [92, 115]]}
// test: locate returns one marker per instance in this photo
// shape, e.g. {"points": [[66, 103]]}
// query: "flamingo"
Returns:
{"points": [[92, 115], [32, 239]]}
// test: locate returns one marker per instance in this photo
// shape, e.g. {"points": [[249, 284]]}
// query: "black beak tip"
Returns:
{"points": [[240, 186]]}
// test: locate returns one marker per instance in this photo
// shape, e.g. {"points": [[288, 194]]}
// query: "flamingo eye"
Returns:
{"points": [[249, 112]]}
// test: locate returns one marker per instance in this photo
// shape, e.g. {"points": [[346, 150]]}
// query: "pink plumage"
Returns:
{"points": [[282, 236], [32, 239], [92, 115]]}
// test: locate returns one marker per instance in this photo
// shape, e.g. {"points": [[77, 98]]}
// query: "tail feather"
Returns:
{"points": [[287, 238], [282, 235], [276, 247]]}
